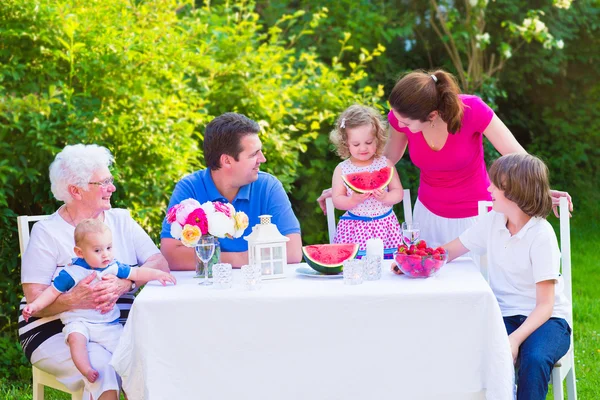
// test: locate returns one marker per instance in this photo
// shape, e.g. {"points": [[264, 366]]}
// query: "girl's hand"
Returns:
{"points": [[359, 197], [107, 292], [379, 194]]}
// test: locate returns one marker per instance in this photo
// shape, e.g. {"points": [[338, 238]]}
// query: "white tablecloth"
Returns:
{"points": [[311, 338]]}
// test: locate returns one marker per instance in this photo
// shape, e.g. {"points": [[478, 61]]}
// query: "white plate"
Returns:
{"points": [[307, 271]]}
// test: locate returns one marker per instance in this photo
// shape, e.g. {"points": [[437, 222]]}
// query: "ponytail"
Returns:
{"points": [[418, 93], [449, 105]]}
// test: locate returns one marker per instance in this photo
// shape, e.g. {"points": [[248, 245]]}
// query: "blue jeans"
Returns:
{"points": [[538, 354]]}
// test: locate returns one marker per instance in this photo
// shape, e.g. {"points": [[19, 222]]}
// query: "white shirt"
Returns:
{"points": [[51, 245], [516, 263], [73, 273]]}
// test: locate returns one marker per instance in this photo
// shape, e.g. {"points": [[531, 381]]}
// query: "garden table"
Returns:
{"points": [[313, 338]]}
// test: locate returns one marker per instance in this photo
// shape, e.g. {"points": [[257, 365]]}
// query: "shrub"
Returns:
{"points": [[143, 79]]}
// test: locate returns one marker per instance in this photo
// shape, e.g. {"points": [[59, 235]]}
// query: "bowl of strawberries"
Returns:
{"points": [[420, 261]]}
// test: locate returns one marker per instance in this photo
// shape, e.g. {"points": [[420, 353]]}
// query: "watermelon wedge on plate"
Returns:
{"points": [[329, 258], [365, 182]]}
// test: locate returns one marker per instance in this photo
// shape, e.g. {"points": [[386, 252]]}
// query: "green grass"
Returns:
{"points": [[22, 391], [585, 237]]}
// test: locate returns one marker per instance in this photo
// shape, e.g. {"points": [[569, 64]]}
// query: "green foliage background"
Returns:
{"points": [[144, 77]]}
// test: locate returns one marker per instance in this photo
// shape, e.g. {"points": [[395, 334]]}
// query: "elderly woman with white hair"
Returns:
{"points": [[80, 177]]}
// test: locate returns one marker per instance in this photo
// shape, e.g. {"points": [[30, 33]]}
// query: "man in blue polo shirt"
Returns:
{"points": [[233, 154]]}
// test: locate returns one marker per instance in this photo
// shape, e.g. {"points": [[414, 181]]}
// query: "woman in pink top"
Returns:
{"points": [[444, 131]]}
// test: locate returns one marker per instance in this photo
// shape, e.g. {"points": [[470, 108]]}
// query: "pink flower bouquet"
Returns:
{"points": [[190, 220]]}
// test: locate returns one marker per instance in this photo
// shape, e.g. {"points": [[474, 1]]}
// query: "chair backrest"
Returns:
{"points": [[406, 203], [565, 252], [482, 209], [331, 226], [331, 229], [23, 225], [565, 248]]}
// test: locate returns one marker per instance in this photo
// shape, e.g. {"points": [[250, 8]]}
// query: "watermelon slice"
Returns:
{"points": [[366, 182], [329, 258]]}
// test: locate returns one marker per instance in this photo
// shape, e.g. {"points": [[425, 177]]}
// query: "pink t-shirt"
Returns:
{"points": [[454, 178]]}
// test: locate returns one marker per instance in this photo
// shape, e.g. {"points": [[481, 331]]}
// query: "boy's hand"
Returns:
{"points": [[514, 348], [28, 311], [165, 277], [395, 269]]}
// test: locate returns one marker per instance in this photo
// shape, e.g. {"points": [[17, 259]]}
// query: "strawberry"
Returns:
{"points": [[420, 253], [421, 244], [402, 248], [412, 249], [441, 250], [429, 265]]}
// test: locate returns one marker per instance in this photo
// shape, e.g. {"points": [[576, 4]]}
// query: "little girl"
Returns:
{"points": [[524, 268], [360, 137]]}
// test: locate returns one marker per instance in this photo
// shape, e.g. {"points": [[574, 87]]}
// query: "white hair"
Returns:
{"points": [[75, 165]]}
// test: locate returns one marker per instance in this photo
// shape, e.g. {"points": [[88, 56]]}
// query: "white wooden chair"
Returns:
{"points": [[41, 378], [331, 226], [565, 367], [482, 209]]}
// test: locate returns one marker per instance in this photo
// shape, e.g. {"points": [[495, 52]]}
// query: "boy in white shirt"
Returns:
{"points": [[524, 268], [93, 247]]}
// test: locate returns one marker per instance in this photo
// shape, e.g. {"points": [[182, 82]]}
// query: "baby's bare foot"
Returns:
{"points": [[92, 375]]}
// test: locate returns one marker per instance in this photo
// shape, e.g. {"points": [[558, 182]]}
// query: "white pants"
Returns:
{"points": [[55, 358], [106, 335], [436, 230]]}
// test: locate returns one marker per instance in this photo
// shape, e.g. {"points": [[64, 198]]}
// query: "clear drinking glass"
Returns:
{"points": [[410, 232], [222, 275], [216, 258], [205, 250], [372, 268], [252, 276], [353, 271]]}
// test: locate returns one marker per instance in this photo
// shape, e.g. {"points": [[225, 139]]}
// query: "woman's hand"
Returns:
{"points": [[108, 291], [83, 294], [556, 195], [321, 200]]}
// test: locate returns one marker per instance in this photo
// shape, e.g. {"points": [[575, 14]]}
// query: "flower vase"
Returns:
{"points": [[216, 258]]}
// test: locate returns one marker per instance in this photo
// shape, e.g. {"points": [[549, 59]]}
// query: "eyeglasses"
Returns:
{"points": [[104, 183]]}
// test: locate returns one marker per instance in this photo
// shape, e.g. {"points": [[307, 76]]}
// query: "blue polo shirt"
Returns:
{"points": [[263, 196]]}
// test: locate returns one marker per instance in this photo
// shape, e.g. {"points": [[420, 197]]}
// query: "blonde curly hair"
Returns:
{"points": [[355, 116]]}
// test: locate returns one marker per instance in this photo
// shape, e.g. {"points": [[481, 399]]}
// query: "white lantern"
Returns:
{"points": [[267, 248]]}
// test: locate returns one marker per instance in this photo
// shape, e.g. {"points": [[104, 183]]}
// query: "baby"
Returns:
{"points": [[93, 247]]}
